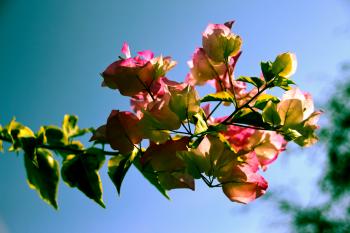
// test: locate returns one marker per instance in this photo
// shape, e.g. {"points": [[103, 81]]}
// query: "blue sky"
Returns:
{"points": [[53, 51]]}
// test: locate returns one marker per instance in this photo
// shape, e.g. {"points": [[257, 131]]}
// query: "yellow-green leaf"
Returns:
{"points": [[70, 125], [285, 65], [290, 112], [43, 176], [252, 80], [201, 124], [224, 96], [262, 100]]}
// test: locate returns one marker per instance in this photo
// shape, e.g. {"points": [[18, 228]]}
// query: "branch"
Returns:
{"points": [[66, 148]]}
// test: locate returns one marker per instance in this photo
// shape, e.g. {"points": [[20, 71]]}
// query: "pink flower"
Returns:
{"points": [[220, 43], [130, 75], [159, 88], [240, 180], [237, 172], [170, 169], [267, 146], [122, 131], [202, 68]]}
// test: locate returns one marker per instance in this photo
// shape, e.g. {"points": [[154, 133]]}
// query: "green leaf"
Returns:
{"points": [[224, 96], [22, 137], [270, 114], [55, 136], [153, 128], [252, 80], [151, 176], [249, 117], [70, 125], [263, 99], [81, 132], [266, 68], [291, 134], [43, 176], [283, 83], [184, 103], [201, 124], [196, 142], [81, 171], [191, 163], [118, 166]]}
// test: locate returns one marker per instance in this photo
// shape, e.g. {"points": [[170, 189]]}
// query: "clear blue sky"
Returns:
{"points": [[51, 54]]}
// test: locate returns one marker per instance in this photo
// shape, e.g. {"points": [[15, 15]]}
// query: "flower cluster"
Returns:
{"points": [[186, 141]]}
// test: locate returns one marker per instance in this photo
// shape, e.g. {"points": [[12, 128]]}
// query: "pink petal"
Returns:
{"points": [[126, 50], [147, 55]]}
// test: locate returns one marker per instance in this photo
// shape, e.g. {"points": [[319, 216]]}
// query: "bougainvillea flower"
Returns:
{"points": [[297, 114], [122, 131], [285, 65], [203, 69], [295, 107], [220, 43], [170, 168], [238, 136], [307, 130], [236, 172], [130, 75], [140, 101], [158, 118], [247, 190], [267, 146], [162, 65]]}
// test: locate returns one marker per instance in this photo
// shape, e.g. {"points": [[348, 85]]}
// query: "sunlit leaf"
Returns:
{"points": [[285, 65], [290, 111], [270, 114], [219, 96], [43, 176], [70, 125], [200, 123], [252, 80], [263, 99], [283, 83], [291, 134], [22, 137]]}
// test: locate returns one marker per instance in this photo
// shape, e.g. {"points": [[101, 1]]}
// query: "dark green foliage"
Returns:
{"points": [[81, 171], [118, 166]]}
